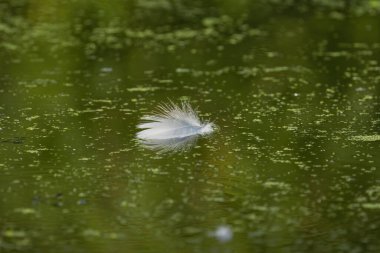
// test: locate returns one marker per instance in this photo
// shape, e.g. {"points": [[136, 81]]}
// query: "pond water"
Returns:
{"points": [[293, 88]]}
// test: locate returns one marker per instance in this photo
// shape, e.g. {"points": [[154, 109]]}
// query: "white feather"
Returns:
{"points": [[173, 127]]}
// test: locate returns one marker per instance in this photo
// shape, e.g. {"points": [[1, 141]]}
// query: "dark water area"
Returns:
{"points": [[293, 87]]}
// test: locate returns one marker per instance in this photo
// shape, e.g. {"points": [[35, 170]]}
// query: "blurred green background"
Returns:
{"points": [[292, 85]]}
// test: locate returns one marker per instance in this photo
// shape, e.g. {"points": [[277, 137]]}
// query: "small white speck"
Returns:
{"points": [[106, 69], [223, 233]]}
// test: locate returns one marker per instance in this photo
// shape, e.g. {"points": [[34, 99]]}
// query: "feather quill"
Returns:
{"points": [[172, 128]]}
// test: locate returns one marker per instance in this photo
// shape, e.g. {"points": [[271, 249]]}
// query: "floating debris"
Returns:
{"points": [[371, 205], [375, 137], [143, 89], [173, 128]]}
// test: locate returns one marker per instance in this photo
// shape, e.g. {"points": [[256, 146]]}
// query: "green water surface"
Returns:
{"points": [[293, 86]]}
